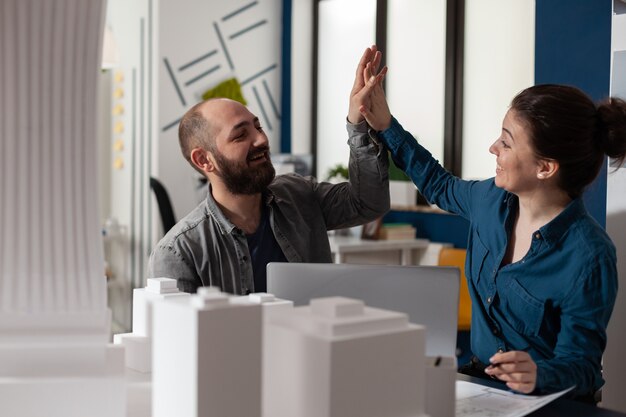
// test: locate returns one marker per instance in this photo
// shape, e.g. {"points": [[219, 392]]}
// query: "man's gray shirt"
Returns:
{"points": [[205, 248]]}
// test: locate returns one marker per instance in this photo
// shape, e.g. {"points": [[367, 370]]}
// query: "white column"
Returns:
{"points": [[51, 263], [54, 358]]}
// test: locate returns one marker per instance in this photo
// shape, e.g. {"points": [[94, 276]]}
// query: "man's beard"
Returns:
{"points": [[239, 178]]}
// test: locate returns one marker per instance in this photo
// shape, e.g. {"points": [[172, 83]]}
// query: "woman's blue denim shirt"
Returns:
{"points": [[554, 303]]}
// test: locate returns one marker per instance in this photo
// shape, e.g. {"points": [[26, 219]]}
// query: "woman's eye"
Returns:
{"points": [[504, 144]]}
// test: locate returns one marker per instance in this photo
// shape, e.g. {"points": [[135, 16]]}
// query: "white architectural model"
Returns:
{"points": [[440, 387], [54, 321], [338, 358], [206, 356], [138, 344]]}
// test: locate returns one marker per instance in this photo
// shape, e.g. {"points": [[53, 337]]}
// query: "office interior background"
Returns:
{"points": [[454, 66]]}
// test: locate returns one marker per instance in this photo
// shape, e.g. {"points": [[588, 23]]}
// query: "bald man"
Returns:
{"points": [[250, 216]]}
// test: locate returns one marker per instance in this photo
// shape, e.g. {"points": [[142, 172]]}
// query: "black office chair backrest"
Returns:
{"points": [[165, 206]]}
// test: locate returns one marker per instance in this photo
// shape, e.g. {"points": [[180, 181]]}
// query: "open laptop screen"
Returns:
{"points": [[429, 295]]}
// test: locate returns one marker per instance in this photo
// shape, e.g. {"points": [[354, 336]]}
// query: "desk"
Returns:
{"points": [[350, 249], [559, 407]]}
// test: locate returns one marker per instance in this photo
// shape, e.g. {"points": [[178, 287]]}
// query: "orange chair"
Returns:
{"points": [[456, 257]]}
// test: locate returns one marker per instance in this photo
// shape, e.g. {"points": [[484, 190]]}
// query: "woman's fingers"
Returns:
{"points": [[516, 368], [523, 387]]}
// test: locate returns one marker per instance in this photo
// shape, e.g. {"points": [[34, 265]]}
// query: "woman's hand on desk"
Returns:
{"points": [[516, 368]]}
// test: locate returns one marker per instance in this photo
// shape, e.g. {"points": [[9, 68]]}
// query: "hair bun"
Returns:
{"points": [[612, 127]]}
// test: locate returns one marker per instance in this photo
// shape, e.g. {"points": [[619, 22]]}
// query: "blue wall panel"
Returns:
{"points": [[573, 46], [285, 121], [434, 226]]}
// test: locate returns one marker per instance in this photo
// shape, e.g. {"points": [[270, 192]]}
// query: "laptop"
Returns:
{"points": [[429, 295]]}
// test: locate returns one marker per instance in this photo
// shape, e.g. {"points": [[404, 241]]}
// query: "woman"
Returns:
{"points": [[541, 272]]}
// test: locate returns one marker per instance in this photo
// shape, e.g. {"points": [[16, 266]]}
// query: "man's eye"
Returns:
{"points": [[259, 128]]}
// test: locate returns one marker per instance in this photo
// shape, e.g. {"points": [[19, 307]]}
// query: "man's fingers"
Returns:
{"points": [[365, 59], [367, 73], [378, 56]]}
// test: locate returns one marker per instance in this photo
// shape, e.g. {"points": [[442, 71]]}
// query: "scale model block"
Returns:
{"points": [[206, 356], [440, 390], [138, 344], [339, 358]]}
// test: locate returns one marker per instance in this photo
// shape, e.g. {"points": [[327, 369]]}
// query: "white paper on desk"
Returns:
{"points": [[475, 400]]}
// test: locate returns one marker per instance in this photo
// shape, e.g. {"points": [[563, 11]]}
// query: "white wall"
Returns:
{"points": [[416, 56], [342, 40], [499, 63], [301, 75], [129, 154], [613, 361], [614, 364], [189, 30], [243, 39]]}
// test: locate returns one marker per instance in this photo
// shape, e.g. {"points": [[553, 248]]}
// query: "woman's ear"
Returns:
{"points": [[547, 168], [202, 159]]}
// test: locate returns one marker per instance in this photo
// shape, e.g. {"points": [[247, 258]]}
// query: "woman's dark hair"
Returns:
{"points": [[566, 125]]}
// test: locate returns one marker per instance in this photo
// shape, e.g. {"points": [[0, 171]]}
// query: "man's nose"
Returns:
{"points": [[261, 140]]}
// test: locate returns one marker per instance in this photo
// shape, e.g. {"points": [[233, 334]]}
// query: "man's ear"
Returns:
{"points": [[202, 159], [547, 168]]}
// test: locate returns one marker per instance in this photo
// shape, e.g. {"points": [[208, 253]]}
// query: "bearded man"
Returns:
{"points": [[250, 216]]}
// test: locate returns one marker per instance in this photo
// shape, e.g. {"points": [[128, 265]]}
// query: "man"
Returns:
{"points": [[250, 217]]}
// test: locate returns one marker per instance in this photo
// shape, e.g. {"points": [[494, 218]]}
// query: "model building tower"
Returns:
{"points": [[338, 358], [206, 356], [54, 321], [138, 344]]}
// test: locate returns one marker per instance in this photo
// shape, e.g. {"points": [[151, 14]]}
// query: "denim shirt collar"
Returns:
{"points": [[225, 225], [553, 230]]}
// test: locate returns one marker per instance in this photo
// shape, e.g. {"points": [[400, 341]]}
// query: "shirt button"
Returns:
{"points": [[538, 235], [500, 350], [245, 258], [488, 300], [494, 330]]}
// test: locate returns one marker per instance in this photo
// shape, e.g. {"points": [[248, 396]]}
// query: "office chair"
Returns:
{"points": [[165, 206], [456, 257]]}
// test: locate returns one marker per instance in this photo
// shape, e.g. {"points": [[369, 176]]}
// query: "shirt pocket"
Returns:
{"points": [[524, 311]]}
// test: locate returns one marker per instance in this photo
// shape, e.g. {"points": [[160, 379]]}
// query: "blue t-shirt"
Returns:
{"points": [[554, 303], [263, 249]]}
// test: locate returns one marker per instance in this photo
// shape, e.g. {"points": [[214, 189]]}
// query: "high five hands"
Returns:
{"points": [[367, 98]]}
